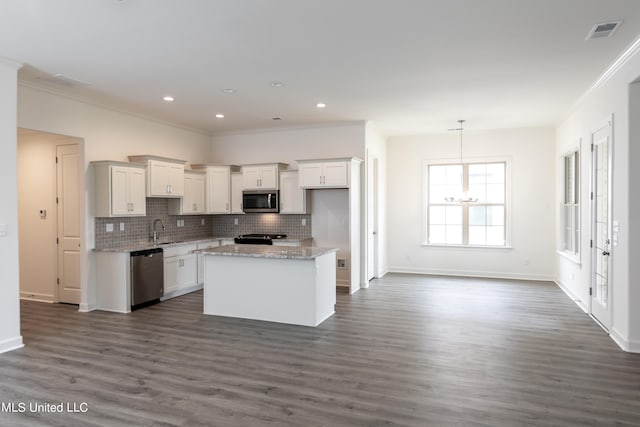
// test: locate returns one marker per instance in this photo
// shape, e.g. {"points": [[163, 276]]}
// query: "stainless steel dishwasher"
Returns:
{"points": [[147, 277]]}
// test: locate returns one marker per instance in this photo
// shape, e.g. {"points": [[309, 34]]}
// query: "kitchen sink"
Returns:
{"points": [[173, 242]]}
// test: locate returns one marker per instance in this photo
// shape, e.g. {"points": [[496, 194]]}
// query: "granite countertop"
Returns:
{"points": [[148, 245], [268, 251]]}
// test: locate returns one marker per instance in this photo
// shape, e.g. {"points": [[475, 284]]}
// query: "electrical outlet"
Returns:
{"points": [[177, 223], [304, 221], [342, 263], [122, 226], [109, 228], [202, 221], [235, 221]]}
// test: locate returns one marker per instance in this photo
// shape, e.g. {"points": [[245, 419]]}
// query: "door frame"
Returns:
{"points": [[605, 125], [372, 215]]}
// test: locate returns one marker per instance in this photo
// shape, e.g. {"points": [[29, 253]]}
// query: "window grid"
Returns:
{"points": [[571, 205], [459, 222]]}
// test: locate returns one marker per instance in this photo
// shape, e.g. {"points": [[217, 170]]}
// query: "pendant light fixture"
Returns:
{"points": [[464, 197]]}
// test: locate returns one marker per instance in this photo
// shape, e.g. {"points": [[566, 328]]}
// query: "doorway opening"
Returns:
{"points": [[51, 212]]}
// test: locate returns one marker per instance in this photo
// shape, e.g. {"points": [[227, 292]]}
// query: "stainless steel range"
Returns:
{"points": [[258, 238]]}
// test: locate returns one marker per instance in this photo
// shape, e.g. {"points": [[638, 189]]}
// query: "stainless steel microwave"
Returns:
{"points": [[260, 201]]}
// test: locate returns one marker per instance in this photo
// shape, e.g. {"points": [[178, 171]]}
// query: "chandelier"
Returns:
{"points": [[464, 197]]}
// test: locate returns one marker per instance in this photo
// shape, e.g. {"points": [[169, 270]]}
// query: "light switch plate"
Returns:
{"points": [[122, 226], [109, 228], [235, 221], [304, 221], [202, 221]]}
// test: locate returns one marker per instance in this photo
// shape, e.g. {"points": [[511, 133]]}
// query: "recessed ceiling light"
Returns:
{"points": [[229, 90], [169, 98], [220, 116], [321, 105], [276, 84]]}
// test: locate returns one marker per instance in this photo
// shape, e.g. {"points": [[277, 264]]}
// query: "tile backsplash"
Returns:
{"points": [[291, 225], [137, 230]]}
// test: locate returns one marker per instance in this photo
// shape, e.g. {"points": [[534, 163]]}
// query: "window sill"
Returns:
{"points": [[573, 258], [439, 245]]}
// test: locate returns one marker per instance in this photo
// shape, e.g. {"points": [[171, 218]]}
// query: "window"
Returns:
{"points": [[571, 205], [466, 204]]}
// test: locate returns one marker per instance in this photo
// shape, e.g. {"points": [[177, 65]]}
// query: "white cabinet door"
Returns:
{"points": [[193, 201], [136, 187], [120, 191], [158, 178], [310, 174], [127, 191], [292, 197], [187, 271], [336, 174], [176, 180], [218, 190], [170, 274], [264, 177], [165, 179], [236, 193], [269, 177], [251, 177]]}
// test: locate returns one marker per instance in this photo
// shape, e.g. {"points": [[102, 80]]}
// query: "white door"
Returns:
{"points": [[68, 209], [601, 230], [372, 217]]}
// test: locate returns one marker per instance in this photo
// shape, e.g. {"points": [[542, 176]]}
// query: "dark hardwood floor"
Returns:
{"points": [[410, 350]]}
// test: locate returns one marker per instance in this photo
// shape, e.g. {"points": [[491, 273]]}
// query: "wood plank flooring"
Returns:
{"points": [[408, 351]]}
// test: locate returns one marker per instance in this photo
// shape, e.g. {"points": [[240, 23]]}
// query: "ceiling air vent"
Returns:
{"points": [[604, 29]]}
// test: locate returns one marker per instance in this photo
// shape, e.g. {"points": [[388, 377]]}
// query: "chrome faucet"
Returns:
{"points": [[155, 232]]}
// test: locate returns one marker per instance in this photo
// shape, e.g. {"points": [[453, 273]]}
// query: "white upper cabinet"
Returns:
{"points": [[218, 187], [324, 173], [165, 177], [293, 199], [261, 177], [119, 189], [236, 193], [193, 202]]}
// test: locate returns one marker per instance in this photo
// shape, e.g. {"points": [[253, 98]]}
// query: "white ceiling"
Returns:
{"points": [[409, 66]]}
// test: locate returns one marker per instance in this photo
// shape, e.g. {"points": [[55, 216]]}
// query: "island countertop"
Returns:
{"points": [[268, 251]]}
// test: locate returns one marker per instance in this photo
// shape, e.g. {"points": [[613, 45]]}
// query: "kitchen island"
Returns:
{"points": [[295, 285]]}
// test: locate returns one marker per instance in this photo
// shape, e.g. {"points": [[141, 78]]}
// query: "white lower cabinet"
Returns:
{"points": [[180, 270], [206, 245]]}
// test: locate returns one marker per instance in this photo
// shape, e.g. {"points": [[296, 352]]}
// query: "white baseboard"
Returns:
{"points": [[33, 296], [364, 285], [85, 308], [626, 345], [564, 288], [467, 273], [11, 344], [180, 292]]}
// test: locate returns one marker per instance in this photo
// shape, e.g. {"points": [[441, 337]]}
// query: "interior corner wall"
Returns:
{"points": [[10, 337], [610, 100], [531, 154], [108, 135]]}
